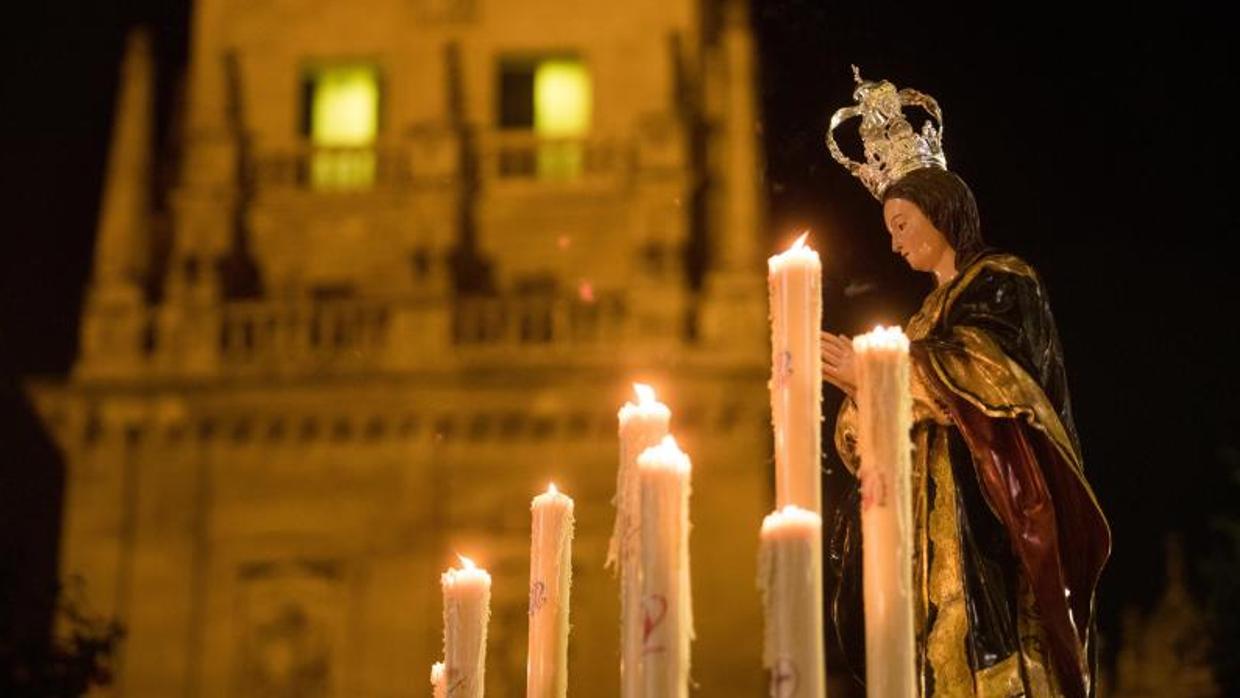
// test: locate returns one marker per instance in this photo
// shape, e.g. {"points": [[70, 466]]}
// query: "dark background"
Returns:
{"points": [[1097, 149], [1100, 148]]}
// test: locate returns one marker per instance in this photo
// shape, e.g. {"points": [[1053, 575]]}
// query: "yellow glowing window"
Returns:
{"points": [[561, 111], [343, 124], [551, 97], [561, 98]]}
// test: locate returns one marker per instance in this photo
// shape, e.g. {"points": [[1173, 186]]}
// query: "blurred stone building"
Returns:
{"points": [[1166, 651], [392, 272]]}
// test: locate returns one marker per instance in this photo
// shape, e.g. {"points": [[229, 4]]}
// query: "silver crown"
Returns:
{"points": [[892, 147]]}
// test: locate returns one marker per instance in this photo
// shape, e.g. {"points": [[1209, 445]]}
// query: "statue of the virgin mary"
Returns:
{"points": [[1009, 539]]}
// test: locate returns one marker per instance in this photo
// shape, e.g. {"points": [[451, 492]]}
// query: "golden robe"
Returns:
{"points": [[1009, 538]]}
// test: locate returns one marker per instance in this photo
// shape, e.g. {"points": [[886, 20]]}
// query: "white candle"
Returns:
{"points": [[789, 575], [551, 550], [642, 425], [795, 286], [466, 611], [439, 688], [667, 605], [885, 415]]}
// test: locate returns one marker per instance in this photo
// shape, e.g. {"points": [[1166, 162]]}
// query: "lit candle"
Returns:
{"points": [[551, 550], [791, 557], [789, 574], [885, 415], [795, 286], [439, 688], [466, 611], [642, 425], [667, 606]]}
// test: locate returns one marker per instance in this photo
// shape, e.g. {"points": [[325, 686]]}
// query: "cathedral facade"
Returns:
{"points": [[394, 271]]}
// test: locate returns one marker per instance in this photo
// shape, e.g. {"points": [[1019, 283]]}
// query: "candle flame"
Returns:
{"points": [[469, 564], [645, 393], [552, 490], [885, 338], [669, 441], [800, 243]]}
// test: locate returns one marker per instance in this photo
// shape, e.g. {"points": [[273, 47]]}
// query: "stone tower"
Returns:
{"points": [[413, 256], [1167, 651]]}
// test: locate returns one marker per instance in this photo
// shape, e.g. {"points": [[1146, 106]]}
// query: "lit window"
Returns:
{"points": [[561, 110], [342, 122], [551, 97]]}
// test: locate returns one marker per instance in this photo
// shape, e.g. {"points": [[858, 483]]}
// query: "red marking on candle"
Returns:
{"points": [[654, 610], [585, 291], [785, 678], [873, 488], [455, 681], [783, 368], [538, 597]]}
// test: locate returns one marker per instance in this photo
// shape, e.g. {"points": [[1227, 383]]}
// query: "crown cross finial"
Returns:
{"points": [[892, 147]]}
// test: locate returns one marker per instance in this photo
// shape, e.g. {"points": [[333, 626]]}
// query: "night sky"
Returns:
{"points": [[1099, 149]]}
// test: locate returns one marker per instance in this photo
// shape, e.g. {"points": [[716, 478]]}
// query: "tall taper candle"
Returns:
{"points": [[551, 552], [789, 571], [795, 285], [642, 425], [885, 415], [666, 600], [466, 612]]}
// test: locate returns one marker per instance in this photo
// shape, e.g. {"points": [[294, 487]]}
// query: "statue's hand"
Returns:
{"points": [[838, 367]]}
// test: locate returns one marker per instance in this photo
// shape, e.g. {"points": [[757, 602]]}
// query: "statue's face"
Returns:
{"points": [[913, 236]]}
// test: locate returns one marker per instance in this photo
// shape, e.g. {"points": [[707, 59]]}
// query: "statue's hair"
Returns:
{"points": [[946, 200]]}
